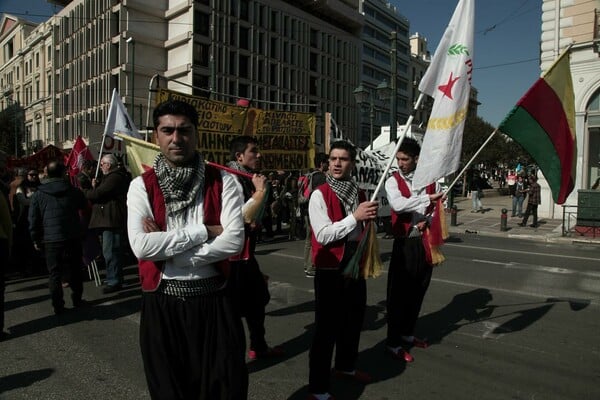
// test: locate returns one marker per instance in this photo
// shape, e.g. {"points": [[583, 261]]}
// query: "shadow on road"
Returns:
{"points": [[24, 379]]}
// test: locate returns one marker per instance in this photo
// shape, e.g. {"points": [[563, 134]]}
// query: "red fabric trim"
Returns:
{"points": [[150, 271]]}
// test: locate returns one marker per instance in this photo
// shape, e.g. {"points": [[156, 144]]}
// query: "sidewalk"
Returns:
{"points": [[488, 223]]}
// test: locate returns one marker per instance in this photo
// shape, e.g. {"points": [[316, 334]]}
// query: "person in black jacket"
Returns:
{"points": [[109, 216], [54, 227]]}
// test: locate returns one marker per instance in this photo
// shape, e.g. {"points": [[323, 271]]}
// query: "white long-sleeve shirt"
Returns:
{"points": [[185, 247], [416, 204], [327, 231]]}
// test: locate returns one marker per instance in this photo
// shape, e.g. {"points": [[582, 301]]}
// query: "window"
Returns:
{"points": [[201, 54], [37, 60], [243, 66], [244, 38], [8, 50], [201, 23]]}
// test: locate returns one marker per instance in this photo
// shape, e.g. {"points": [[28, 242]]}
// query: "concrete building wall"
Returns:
{"points": [[564, 23]]}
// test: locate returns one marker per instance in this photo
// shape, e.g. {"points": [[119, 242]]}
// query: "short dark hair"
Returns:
{"points": [[238, 145], [410, 147], [320, 158], [55, 169], [344, 145], [175, 107]]}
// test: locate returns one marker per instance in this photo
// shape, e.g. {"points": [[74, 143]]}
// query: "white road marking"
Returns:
{"points": [[504, 250], [540, 268]]}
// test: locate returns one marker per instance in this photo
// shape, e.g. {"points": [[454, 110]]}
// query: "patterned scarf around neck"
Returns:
{"points": [[179, 185], [247, 185], [346, 191]]}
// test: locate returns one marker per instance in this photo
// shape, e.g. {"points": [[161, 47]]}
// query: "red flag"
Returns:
{"points": [[78, 154]]}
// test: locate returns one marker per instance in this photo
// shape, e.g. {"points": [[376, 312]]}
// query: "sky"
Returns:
{"points": [[507, 46], [507, 37]]}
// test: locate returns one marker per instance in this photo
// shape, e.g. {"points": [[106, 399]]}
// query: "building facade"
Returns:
{"points": [[289, 55], [380, 18], [576, 23]]}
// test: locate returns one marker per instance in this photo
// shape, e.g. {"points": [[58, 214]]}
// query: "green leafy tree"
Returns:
{"points": [[501, 150], [11, 128]]}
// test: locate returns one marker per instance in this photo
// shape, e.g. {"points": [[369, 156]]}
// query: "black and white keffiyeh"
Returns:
{"points": [[179, 185], [346, 191], [247, 185]]}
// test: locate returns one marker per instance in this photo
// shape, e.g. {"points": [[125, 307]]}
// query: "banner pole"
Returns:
{"points": [[400, 139], [99, 157], [471, 161]]}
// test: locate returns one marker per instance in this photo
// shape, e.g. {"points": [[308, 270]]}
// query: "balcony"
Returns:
{"points": [[7, 89]]}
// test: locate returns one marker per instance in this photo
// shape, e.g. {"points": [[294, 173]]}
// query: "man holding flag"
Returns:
{"points": [[336, 213], [410, 267], [248, 283]]}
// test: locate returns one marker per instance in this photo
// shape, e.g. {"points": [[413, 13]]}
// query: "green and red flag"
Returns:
{"points": [[543, 123]]}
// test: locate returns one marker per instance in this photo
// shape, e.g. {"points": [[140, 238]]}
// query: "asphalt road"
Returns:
{"points": [[507, 319]]}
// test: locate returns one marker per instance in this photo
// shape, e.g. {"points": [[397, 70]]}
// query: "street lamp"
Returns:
{"points": [[132, 42], [364, 98], [391, 93]]}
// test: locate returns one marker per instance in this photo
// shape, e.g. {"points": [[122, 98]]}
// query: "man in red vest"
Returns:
{"points": [[184, 220], [409, 272], [336, 216], [248, 283]]}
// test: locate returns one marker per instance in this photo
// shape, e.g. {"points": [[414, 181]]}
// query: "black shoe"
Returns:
{"points": [[79, 303], [533, 225], [309, 273], [521, 224], [111, 289], [59, 310]]}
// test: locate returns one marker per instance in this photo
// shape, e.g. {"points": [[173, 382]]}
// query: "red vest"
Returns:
{"points": [[330, 255], [150, 271], [402, 222]]}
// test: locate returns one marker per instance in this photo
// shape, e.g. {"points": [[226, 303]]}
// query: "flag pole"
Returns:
{"points": [[471, 161], [400, 139], [99, 157]]}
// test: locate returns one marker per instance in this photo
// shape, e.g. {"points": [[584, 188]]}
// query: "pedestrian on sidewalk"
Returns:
{"points": [[518, 196], [184, 222], [336, 216], [534, 199], [477, 185]]}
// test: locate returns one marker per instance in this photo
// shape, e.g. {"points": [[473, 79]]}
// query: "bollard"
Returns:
{"points": [[503, 220], [453, 214]]}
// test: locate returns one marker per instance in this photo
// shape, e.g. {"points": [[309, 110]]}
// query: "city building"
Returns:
{"points": [[576, 23], [289, 55], [380, 18]]}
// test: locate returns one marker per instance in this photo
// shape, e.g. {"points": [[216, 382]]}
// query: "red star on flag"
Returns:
{"points": [[447, 88]]}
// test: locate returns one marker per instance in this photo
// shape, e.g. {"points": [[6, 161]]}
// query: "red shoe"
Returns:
{"points": [[270, 352], [358, 376], [400, 354]]}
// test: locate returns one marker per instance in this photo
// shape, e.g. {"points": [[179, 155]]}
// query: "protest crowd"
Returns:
{"points": [[193, 227]]}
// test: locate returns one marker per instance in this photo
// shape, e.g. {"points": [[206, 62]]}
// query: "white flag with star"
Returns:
{"points": [[448, 81]]}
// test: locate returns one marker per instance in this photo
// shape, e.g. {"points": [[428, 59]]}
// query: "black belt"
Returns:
{"points": [[191, 288]]}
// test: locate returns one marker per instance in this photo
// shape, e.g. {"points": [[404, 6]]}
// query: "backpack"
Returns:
{"points": [[305, 188]]}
